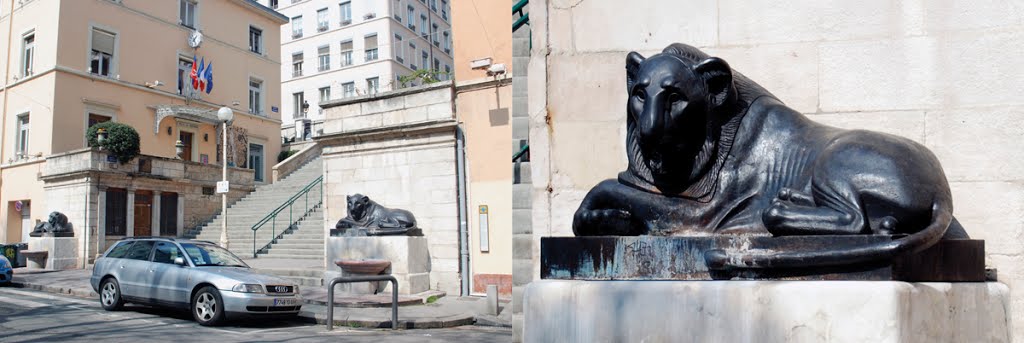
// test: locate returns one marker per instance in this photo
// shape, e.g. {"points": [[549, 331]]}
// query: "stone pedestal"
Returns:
{"points": [[410, 261], [62, 252], [765, 311]]}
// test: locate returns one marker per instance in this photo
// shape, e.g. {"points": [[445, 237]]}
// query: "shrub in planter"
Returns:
{"points": [[284, 155], [122, 140]]}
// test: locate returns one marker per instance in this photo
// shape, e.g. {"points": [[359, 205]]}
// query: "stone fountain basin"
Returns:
{"points": [[366, 267]]}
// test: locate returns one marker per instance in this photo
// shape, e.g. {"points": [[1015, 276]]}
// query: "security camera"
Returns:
{"points": [[496, 69]]}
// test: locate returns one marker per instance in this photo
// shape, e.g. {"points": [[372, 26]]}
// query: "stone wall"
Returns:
{"points": [[943, 73], [400, 151]]}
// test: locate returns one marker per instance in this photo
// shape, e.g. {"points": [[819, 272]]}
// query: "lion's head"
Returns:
{"points": [[358, 205], [678, 101]]}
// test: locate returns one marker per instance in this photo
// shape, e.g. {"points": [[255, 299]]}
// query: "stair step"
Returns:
{"points": [[276, 251]]}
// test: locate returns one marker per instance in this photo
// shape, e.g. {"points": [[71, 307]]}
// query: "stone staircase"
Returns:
{"points": [[522, 182], [305, 240]]}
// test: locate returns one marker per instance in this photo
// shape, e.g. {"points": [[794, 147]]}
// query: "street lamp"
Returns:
{"points": [[225, 114]]}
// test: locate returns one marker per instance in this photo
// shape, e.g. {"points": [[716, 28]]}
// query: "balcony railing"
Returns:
{"points": [[322, 27], [296, 73], [296, 34]]}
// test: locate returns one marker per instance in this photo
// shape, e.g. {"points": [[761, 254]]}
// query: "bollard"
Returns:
{"points": [[492, 299], [351, 279]]}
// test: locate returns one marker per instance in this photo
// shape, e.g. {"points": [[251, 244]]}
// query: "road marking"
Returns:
{"points": [[48, 296], [22, 302]]}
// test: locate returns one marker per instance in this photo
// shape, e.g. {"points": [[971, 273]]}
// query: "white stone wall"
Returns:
{"points": [[943, 73]]}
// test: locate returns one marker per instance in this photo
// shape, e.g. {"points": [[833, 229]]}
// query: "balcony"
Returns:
{"points": [[296, 73], [321, 27], [296, 34], [346, 22]]}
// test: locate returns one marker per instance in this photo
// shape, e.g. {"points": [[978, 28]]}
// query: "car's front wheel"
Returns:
{"points": [[208, 307], [110, 295]]}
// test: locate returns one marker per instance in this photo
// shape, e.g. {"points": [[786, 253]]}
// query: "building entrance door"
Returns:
{"points": [[143, 213], [256, 160]]}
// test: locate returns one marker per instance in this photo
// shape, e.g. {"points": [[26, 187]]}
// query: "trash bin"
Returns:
{"points": [[13, 253]]}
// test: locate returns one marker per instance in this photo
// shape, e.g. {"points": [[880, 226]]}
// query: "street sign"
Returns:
{"points": [[484, 238], [222, 187]]}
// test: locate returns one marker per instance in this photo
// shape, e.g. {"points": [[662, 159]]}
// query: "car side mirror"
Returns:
{"points": [[179, 261]]}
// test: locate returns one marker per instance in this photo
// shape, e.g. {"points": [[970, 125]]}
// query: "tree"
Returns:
{"points": [[424, 76], [122, 140]]}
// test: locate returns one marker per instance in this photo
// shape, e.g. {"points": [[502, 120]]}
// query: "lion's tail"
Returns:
{"points": [[942, 216]]}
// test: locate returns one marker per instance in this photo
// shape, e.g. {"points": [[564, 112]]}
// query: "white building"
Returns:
{"points": [[332, 49]]}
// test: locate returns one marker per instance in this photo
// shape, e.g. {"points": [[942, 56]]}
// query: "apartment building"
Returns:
{"points": [[70, 64], [333, 49]]}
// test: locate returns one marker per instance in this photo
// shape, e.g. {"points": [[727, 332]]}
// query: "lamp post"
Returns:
{"points": [[225, 114]]}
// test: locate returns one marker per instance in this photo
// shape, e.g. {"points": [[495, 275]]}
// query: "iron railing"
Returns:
{"points": [[289, 204], [524, 17], [522, 153]]}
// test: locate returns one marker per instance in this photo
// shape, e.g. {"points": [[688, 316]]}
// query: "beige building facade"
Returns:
{"points": [[483, 102], [945, 74], [72, 64]]}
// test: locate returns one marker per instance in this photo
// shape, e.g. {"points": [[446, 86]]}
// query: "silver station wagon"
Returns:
{"points": [[210, 281]]}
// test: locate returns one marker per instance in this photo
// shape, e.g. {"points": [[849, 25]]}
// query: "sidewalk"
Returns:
{"points": [[442, 312]]}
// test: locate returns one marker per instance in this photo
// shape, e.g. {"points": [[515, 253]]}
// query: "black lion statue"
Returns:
{"points": [[710, 152], [375, 220], [57, 225]]}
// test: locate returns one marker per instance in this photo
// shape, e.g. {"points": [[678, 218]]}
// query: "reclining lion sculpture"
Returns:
{"points": [[711, 152], [372, 219]]}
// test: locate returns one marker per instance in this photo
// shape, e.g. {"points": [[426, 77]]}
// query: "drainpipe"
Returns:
{"points": [[460, 158], [85, 227]]}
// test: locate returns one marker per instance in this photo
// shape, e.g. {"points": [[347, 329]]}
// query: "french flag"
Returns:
{"points": [[201, 74]]}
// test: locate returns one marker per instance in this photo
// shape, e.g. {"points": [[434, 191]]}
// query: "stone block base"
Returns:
{"points": [[61, 252], [765, 311], [410, 261]]}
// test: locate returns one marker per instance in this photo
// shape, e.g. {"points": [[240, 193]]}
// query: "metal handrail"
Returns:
{"points": [[524, 18], [272, 217], [521, 153], [363, 278]]}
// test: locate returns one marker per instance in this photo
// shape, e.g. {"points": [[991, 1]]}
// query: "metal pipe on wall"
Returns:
{"points": [[460, 171]]}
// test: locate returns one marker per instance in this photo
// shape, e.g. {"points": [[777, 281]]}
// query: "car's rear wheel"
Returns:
{"points": [[208, 307], [110, 295]]}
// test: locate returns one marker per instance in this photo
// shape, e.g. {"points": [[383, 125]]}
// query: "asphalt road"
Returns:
{"points": [[33, 316]]}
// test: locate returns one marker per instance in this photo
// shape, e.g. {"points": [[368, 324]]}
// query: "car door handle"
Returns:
{"points": [[122, 266], [150, 270]]}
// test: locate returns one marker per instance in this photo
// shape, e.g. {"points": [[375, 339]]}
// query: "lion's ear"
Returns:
{"points": [[633, 61], [717, 76]]}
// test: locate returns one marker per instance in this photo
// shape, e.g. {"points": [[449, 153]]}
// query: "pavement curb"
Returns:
{"points": [[437, 323], [58, 290]]}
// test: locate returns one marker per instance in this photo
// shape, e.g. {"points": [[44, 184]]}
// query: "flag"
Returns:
{"points": [[200, 75], [209, 77], [192, 75]]}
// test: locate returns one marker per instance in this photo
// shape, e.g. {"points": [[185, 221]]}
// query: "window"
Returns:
{"points": [[255, 40], [321, 20], [437, 65], [21, 139], [398, 16], [297, 64], [348, 89], [187, 13], [411, 18], [424, 59], [28, 47], [102, 55], [184, 72], [433, 5], [120, 249], [168, 214], [140, 250], [372, 85], [433, 35], [297, 27], [323, 57], [370, 42], [346, 53], [255, 96], [273, 4], [447, 43], [325, 93], [298, 99], [166, 252], [346, 13], [447, 72], [117, 212], [444, 9], [423, 25], [399, 49], [412, 55], [97, 118]]}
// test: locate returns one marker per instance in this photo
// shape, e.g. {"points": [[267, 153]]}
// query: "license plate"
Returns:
{"points": [[285, 302]]}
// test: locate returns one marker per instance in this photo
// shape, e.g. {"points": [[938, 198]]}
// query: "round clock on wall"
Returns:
{"points": [[195, 39]]}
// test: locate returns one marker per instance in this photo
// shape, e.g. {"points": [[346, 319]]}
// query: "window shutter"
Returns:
{"points": [[371, 42], [103, 42], [346, 45]]}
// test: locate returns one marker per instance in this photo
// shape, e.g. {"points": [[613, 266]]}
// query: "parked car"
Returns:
{"points": [[6, 270], [210, 281]]}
